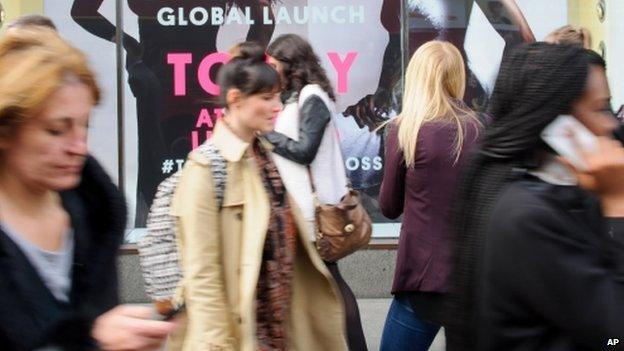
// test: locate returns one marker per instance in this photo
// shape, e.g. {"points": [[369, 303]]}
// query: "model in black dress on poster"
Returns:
{"points": [[165, 121]]}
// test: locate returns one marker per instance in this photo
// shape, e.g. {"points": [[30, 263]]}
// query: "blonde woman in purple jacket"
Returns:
{"points": [[426, 146]]}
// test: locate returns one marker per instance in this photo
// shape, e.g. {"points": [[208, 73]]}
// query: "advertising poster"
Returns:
{"points": [[173, 50], [481, 29], [170, 65]]}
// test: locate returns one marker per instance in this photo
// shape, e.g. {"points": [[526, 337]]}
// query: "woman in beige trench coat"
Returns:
{"points": [[252, 279]]}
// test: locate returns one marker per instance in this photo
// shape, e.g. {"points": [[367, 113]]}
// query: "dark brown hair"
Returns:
{"points": [[248, 72], [301, 65]]}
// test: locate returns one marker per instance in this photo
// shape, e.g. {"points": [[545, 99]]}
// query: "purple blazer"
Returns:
{"points": [[424, 194]]}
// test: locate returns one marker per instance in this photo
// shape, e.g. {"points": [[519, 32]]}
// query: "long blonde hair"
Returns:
{"points": [[434, 86]]}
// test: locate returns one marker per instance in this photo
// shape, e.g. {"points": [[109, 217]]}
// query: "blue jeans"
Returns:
{"points": [[405, 330]]}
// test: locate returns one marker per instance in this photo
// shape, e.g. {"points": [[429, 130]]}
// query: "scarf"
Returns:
{"points": [[277, 268]]}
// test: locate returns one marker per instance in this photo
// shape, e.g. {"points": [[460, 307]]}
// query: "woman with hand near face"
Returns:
{"points": [[539, 243], [61, 218]]}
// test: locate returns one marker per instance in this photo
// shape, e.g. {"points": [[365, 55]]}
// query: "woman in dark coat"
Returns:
{"points": [[540, 245], [61, 218]]}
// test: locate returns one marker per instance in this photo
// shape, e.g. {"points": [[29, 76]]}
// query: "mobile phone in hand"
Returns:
{"points": [[570, 138]]}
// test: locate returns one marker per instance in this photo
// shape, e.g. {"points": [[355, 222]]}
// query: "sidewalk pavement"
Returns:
{"points": [[373, 313]]}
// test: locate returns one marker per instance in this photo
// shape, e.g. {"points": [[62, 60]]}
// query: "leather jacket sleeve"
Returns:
{"points": [[314, 116]]}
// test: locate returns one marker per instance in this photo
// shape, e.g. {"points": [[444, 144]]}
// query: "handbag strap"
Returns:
{"points": [[314, 195]]}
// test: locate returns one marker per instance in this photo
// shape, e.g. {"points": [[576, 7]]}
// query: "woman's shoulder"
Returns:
{"points": [[310, 89], [209, 162], [534, 211], [438, 131], [315, 90], [211, 152], [523, 197], [391, 129], [196, 158], [520, 213], [426, 132], [193, 183], [197, 169], [533, 200], [470, 125]]}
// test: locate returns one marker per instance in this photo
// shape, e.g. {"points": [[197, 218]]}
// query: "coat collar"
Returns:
{"points": [[230, 145]]}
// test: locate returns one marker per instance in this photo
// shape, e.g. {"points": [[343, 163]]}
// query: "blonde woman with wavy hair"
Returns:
{"points": [[426, 147]]}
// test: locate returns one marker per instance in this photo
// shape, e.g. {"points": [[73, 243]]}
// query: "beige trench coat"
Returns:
{"points": [[221, 253]]}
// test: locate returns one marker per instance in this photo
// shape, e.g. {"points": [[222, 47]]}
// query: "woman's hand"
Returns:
{"points": [[604, 175], [128, 327]]}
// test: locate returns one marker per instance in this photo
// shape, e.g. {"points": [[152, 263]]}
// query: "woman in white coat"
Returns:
{"points": [[307, 147]]}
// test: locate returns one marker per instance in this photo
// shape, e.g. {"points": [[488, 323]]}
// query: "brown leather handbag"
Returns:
{"points": [[343, 228]]}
